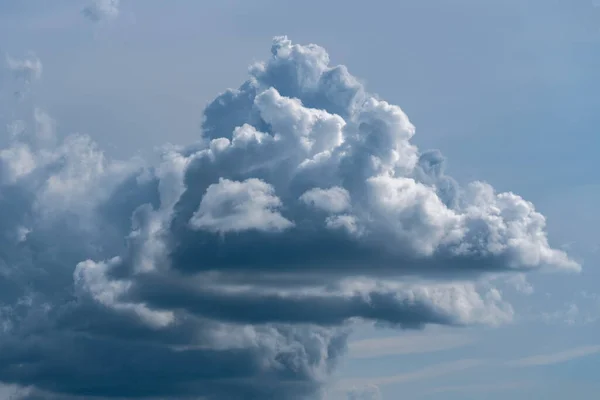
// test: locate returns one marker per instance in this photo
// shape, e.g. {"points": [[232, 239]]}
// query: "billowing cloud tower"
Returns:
{"points": [[236, 267]]}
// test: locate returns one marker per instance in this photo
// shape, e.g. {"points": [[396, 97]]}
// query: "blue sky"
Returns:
{"points": [[506, 90]]}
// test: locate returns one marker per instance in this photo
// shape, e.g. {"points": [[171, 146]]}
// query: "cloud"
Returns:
{"points": [[101, 10], [424, 373], [24, 72], [555, 358], [584, 309], [365, 348], [27, 69], [333, 200], [406, 344], [521, 284], [484, 387], [230, 206], [369, 392], [11, 392], [405, 306], [236, 267]]}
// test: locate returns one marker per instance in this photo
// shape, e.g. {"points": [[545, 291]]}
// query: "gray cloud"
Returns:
{"points": [[236, 267]]}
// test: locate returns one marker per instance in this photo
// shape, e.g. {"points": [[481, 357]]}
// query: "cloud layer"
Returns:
{"points": [[235, 267]]}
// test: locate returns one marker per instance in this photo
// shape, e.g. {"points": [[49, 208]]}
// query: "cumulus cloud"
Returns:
{"points": [[333, 200], [230, 206], [237, 266], [101, 10]]}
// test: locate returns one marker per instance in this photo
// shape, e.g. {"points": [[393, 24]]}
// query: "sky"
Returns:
{"points": [[395, 200]]}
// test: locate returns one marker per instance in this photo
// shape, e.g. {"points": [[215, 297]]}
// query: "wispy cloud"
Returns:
{"points": [[441, 369], [406, 344], [433, 371], [370, 392], [475, 388], [555, 358]]}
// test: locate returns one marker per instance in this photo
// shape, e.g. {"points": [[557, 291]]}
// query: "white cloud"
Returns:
{"points": [[91, 278], [16, 162], [239, 206], [413, 214], [333, 200]]}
